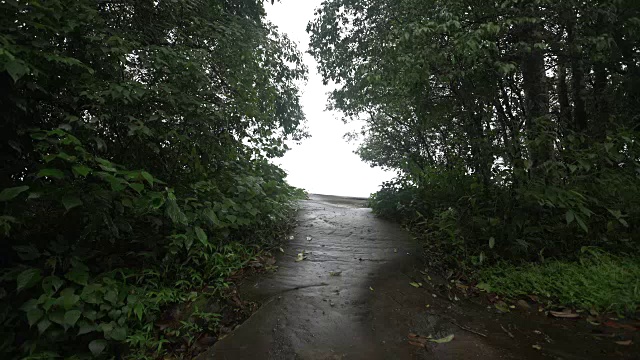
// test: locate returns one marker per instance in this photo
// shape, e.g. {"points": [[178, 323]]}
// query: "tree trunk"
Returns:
{"points": [[601, 119], [563, 96], [537, 103], [577, 72]]}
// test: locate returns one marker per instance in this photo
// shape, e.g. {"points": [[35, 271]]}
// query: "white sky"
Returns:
{"points": [[324, 163]]}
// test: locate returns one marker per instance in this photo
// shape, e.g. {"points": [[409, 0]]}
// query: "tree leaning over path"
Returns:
{"points": [[513, 124], [135, 146]]}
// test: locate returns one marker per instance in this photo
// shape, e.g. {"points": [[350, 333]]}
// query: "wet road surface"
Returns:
{"points": [[350, 298]]}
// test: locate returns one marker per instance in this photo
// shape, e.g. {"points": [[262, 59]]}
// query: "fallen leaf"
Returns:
{"points": [[615, 325], [417, 340], [427, 306], [502, 306], [567, 314], [523, 304], [291, 237], [445, 339], [624, 342], [335, 273], [395, 250], [593, 320], [462, 287], [301, 256], [308, 238], [415, 284], [537, 347], [484, 287], [434, 295], [370, 288], [282, 250]]}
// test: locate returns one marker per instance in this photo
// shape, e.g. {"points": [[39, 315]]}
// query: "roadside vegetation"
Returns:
{"points": [[513, 127], [135, 174]]}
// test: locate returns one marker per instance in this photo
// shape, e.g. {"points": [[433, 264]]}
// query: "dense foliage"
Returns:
{"points": [[136, 138], [512, 124]]}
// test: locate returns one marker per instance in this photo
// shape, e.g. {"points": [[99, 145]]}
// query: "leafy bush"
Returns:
{"points": [[136, 171], [512, 125], [473, 224]]}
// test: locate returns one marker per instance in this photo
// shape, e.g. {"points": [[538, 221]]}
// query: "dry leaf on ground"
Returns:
{"points": [[567, 314]]}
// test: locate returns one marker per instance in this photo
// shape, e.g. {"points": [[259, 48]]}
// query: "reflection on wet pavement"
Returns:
{"points": [[350, 298]]}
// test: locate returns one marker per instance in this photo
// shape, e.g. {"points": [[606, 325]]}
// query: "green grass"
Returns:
{"points": [[598, 281]]}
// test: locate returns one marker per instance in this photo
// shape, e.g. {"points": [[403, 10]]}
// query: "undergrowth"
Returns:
{"points": [[136, 175], [598, 281]]}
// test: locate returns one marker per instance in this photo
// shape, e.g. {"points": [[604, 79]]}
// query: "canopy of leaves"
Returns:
{"points": [[135, 146], [511, 123]]}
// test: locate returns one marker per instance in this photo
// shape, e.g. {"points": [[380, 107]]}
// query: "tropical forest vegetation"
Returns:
{"points": [[138, 138], [135, 168], [513, 127]]}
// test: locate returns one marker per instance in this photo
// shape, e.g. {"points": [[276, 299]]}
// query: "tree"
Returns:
{"points": [[136, 143], [503, 110]]}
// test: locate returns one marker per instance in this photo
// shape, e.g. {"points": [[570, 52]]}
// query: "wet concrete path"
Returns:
{"points": [[350, 298]]}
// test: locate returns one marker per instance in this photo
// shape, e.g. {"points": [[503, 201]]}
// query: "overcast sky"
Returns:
{"points": [[325, 163]]}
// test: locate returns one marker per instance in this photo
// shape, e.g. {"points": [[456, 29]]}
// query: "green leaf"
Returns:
{"points": [[16, 69], [51, 284], [43, 325], [111, 296], [28, 278], [70, 202], [34, 315], [119, 333], [71, 317], [97, 346], [57, 317], [202, 236], [90, 314], [211, 216], [137, 187], [81, 170], [78, 275], [175, 214], [147, 177], [107, 328], [138, 309], [68, 299], [86, 328], [581, 223], [443, 340], [484, 287], [616, 213], [188, 241], [52, 173], [10, 193], [570, 216]]}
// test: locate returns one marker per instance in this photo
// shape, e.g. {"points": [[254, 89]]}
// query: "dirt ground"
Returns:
{"points": [[342, 291]]}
